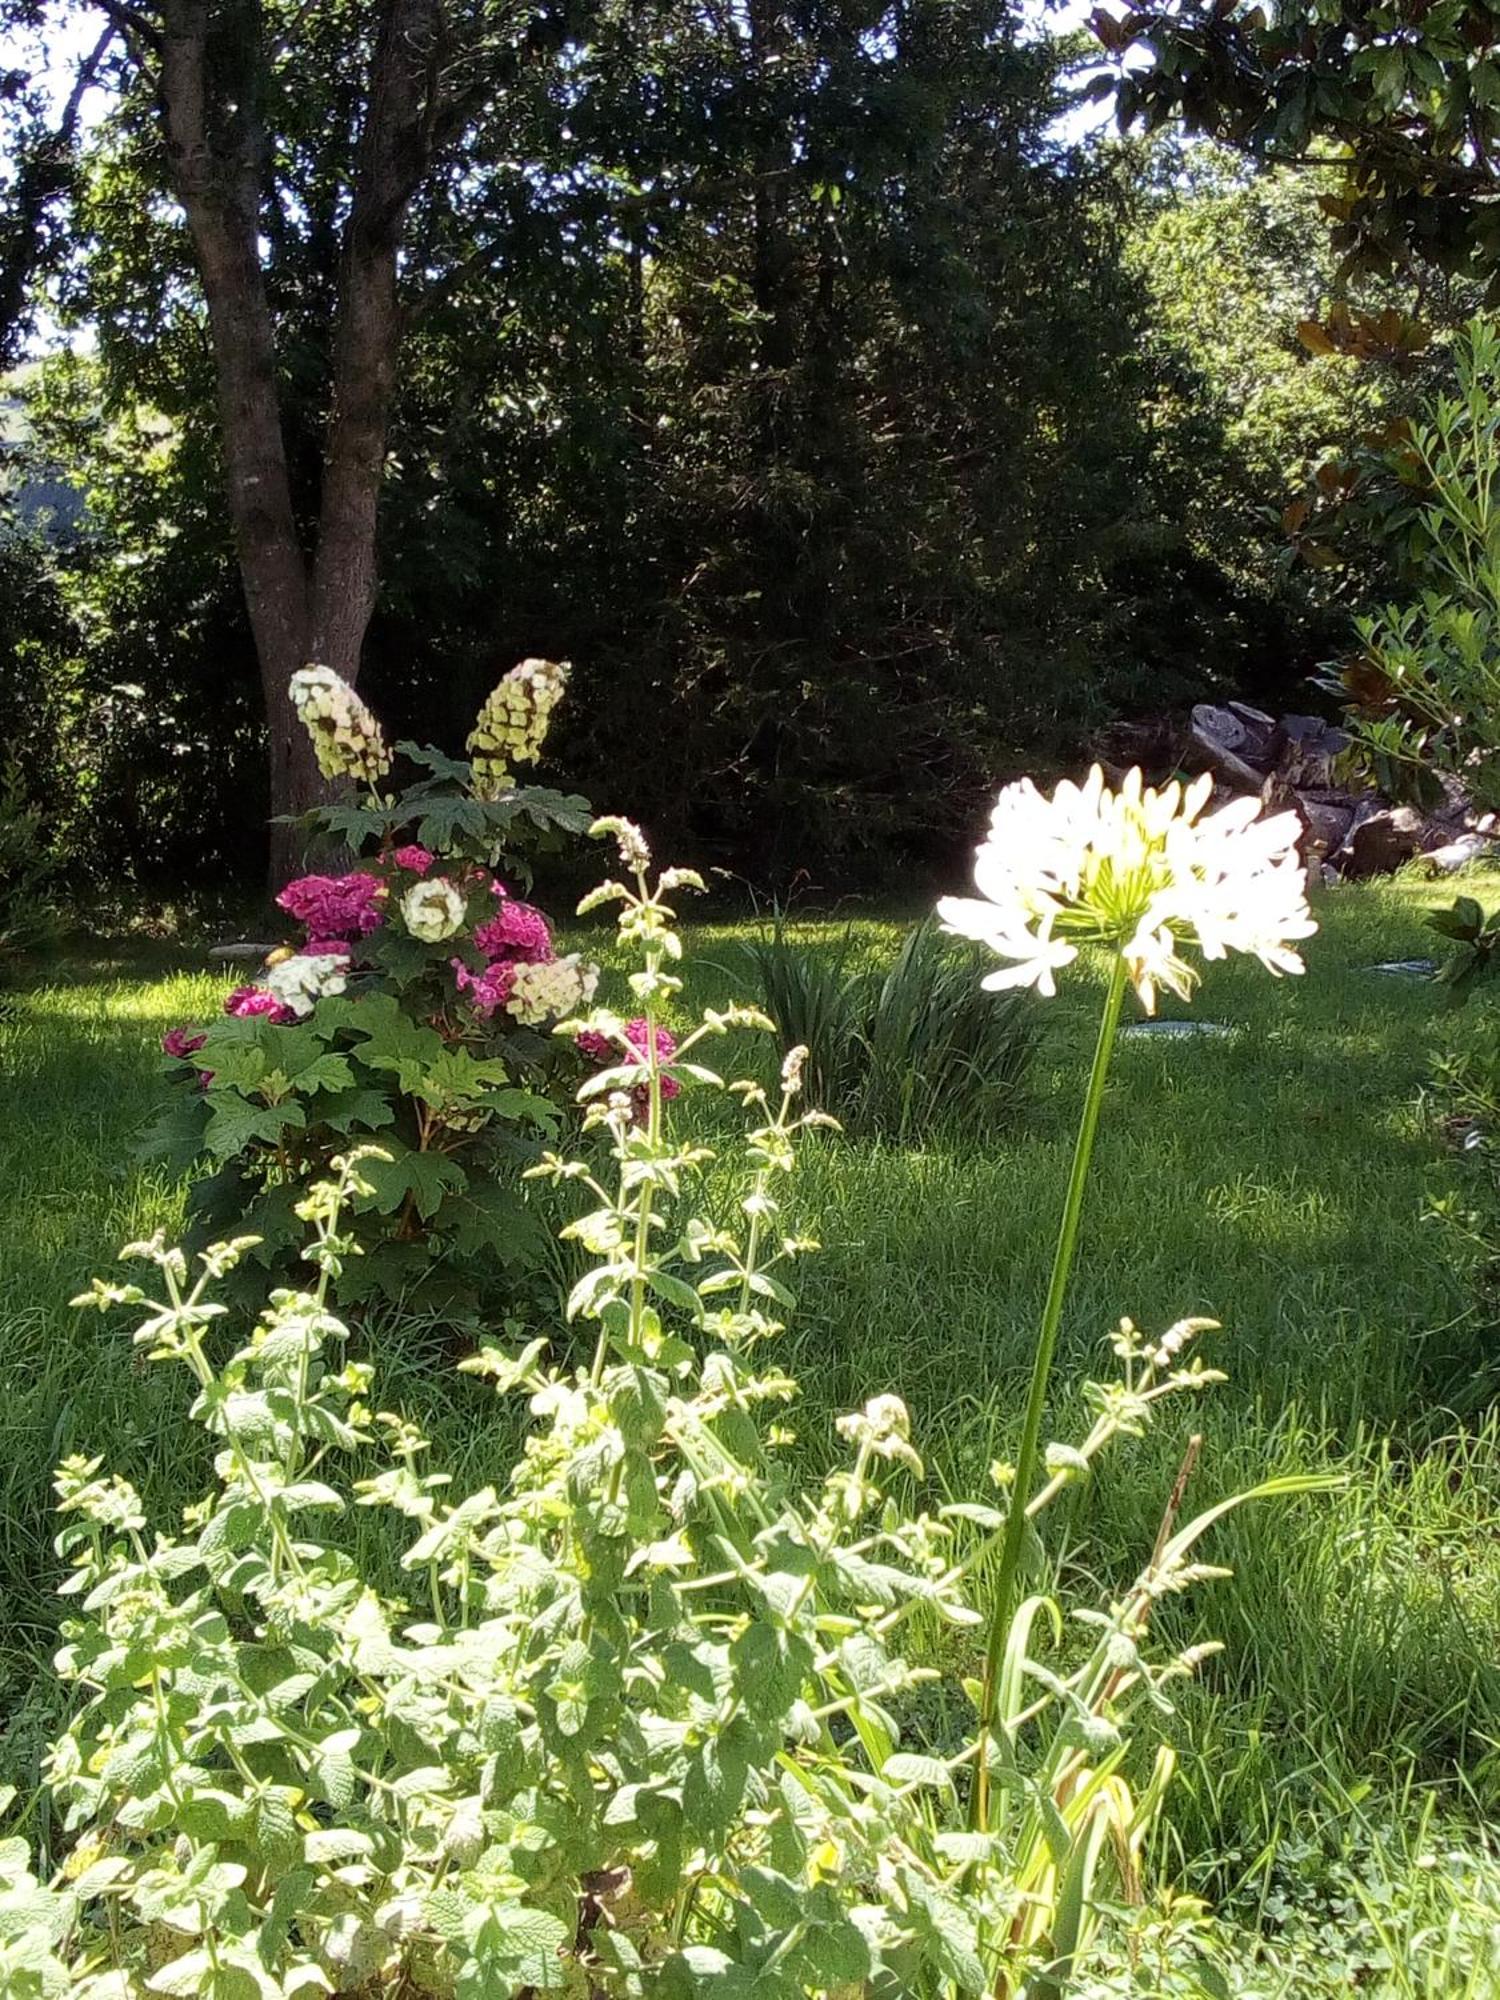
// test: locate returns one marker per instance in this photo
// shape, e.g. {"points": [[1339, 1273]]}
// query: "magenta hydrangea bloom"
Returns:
{"points": [[516, 931], [610, 1055], [246, 1001], [335, 906], [414, 859], [328, 948], [181, 1042], [488, 990]]}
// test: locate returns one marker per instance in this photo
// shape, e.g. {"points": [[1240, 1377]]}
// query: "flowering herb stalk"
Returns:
{"points": [[1139, 873]]}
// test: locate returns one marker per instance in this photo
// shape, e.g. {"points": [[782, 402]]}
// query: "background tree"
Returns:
{"points": [[1407, 90], [791, 373]]}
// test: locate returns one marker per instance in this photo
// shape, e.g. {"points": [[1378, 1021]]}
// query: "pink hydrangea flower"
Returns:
{"points": [[335, 906], [328, 948], [488, 990], [516, 931], [637, 1034], [246, 1001], [415, 859], [181, 1042]]}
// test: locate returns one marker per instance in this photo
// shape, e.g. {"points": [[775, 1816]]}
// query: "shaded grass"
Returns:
{"points": [[1275, 1181]]}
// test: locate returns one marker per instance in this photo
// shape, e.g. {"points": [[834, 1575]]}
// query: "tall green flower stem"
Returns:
{"points": [[1024, 1477]]}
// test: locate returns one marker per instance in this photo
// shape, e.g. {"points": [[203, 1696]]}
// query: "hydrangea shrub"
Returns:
{"points": [[413, 1007]]}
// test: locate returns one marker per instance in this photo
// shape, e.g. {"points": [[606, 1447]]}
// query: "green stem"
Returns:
{"points": [[1041, 1370]]}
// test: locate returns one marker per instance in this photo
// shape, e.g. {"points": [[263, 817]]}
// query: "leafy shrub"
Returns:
{"points": [[28, 915], [893, 1054], [415, 1010], [1424, 689], [639, 1731]]}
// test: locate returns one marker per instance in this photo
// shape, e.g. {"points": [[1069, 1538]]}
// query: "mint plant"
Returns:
{"points": [[640, 1722], [415, 1009]]}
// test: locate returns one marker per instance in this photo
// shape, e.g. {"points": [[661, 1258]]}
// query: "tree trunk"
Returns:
{"points": [[395, 146], [213, 65], [214, 154]]}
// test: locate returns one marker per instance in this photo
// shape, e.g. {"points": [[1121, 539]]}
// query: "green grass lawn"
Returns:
{"points": [[1276, 1181]]}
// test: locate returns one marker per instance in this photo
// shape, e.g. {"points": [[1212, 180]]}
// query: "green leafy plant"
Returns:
{"points": [[895, 1053], [641, 1728], [1475, 938], [415, 1010], [1423, 692], [28, 912]]}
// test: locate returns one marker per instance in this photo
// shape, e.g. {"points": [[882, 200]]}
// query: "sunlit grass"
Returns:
{"points": [[1275, 1180]]}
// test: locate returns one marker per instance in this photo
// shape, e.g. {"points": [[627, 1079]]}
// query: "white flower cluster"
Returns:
{"points": [[433, 910], [513, 724], [1139, 871], [345, 735], [306, 977], [555, 988]]}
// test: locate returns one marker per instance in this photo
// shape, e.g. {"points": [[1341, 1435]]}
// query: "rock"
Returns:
{"points": [[1447, 860], [1219, 737], [1327, 818], [1306, 748], [1174, 1031], [1254, 719], [1378, 843], [232, 954]]}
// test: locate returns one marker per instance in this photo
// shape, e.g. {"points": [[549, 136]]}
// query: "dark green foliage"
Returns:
{"points": [[792, 376], [895, 1054], [1408, 96], [28, 916]]}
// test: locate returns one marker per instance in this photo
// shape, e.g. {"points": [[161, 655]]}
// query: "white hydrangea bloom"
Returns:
{"points": [[433, 909], [346, 737], [1138, 870], [306, 977], [542, 992], [513, 724]]}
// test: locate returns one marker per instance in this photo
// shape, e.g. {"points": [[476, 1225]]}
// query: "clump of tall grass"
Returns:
{"points": [[896, 1053]]}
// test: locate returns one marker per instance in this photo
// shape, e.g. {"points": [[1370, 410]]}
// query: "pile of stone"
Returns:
{"points": [[1292, 762]]}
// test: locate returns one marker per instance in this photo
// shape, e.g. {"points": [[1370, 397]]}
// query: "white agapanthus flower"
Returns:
{"points": [[1137, 870], [346, 737], [433, 910], [306, 977], [551, 990]]}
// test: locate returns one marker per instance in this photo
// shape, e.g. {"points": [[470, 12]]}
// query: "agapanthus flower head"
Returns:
{"points": [[1138, 871], [433, 910], [414, 858], [307, 977], [345, 735], [551, 990], [182, 1041], [335, 906], [247, 1001], [512, 726], [516, 930]]}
